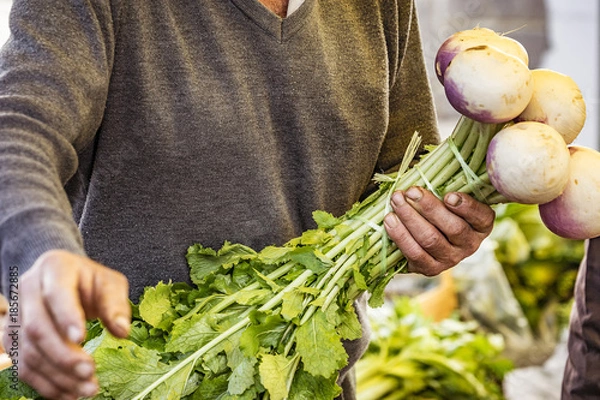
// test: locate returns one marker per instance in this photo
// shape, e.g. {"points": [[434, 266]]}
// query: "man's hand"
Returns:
{"points": [[435, 235], [3, 312], [4, 360], [57, 295]]}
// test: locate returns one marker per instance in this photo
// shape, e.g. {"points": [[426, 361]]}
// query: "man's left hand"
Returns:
{"points": [[435, 235]]}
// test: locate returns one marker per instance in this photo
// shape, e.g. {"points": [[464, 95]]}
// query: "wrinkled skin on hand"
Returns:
{"points": [[435, 235], [3, 312], [56, 296]]}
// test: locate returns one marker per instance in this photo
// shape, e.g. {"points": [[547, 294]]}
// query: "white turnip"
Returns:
{"points": [[465, 39], [556, 101], [488, 85], [575, 214], [528, 163]]}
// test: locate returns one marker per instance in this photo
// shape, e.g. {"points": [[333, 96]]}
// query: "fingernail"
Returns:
{"points": [[84, 370], [122, 324], [391, 220], [87, 389], [414, 194], [74, 334], [397, 199], [453, 199]]}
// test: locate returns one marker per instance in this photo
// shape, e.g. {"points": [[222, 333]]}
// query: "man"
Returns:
{"points": [[160, 124]]}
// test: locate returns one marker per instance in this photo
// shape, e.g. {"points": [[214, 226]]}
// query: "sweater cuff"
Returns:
{"points": [[24, 238]]}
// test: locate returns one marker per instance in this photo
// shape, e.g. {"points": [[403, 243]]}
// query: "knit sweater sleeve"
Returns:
{"points": [[411, 106], [54, 74]]}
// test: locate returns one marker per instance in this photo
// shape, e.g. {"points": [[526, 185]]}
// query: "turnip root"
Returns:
{"points": [[556, 101], [528, 163], [488, 85], [475, 37], [575, 214]]}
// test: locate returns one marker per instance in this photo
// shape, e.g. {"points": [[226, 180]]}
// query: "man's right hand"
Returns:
{"points": [[56, 296]]}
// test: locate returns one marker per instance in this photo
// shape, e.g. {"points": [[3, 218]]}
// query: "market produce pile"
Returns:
{"points": [[540, 266], [269, 324], [410, 356]]}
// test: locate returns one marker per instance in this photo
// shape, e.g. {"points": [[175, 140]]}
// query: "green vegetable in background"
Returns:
{"points": [[411, 357], [540, 266]]}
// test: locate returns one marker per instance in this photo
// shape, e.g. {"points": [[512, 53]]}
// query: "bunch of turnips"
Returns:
{"points": [[532, 159]]}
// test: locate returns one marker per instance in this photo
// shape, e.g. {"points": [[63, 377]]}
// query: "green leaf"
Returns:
{"points": [[107, 341], [242, 374], [349, 326], [359, 278], [124, 372], [343, 230], [13, 389], [215, 362], [252, 297], [306, 256], [205, 261], [378, 291], [314, 237], [292, 304], [325, 220], [212, 388], [223, 284], [156, 304], [308, 387], [276, 374], [274, 254], [272, 284], [174, 388], [320, 346], [265, 333], [190, 334]]}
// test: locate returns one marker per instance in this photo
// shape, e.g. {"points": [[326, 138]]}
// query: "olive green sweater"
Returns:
{"points": [[132, 129]]}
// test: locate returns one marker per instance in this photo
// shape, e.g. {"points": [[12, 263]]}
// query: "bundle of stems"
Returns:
{"points": [[308, 287]]}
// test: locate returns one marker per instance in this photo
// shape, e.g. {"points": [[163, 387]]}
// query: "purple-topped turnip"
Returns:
{"points": [[575, 214], [475, 37], [556, 101], [528, 163], [488, 85]]}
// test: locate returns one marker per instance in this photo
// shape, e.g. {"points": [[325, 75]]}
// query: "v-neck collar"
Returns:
{"points": [[280, 28]]}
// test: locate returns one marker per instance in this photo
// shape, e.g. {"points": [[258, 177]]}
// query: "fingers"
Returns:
{"points": [[3, 306], [59, 293], [47, 359], [3, 312], [435, 235], [94, 292], [478, 215], [422, 243], [59, 287], [53, 366], [112, 296]]}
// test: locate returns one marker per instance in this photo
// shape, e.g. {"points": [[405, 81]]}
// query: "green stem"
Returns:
{"points": [[453, 166]]}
